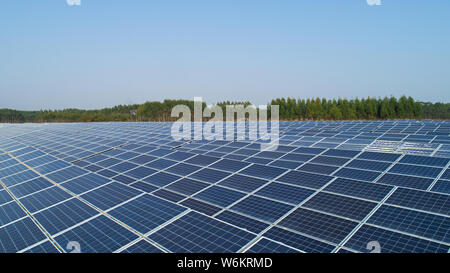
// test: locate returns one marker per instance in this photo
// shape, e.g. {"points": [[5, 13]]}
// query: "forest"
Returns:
{"points": [[289, 109]]}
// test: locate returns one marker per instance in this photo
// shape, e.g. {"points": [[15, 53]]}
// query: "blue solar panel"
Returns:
{"points": [[144, 186], [209, 175], [359, 189], [407, 169], [110, 195], [261, 208], [318, 168], [266, 246], [442, 186], [160, 164], [368, 176], [219, 196], [427, 201], [45, 247], [187, 186], [446, 174], [99, 235], [379, 156], [229, 165], [329, 160], [285, 164], [66, 174], [298, 241], [425, 160], [264, 172], [197, 233], [392, 242], [62, 216], [161, 179], [123, 167], [241, 221], [201, 206], [10, 212], [142, 247], [342, 153], [326, 227], [85, 183], [202, 160], [413, 222], [28, 232], [297, 157], [369, 165], [146, 213], [287, 193], [339, 205], [242, 183], [43, 199], [4, 197], [137, 175], [182, 169], [30, 187], [405, 181], [19, 178], [168, 195], [140, 172], [305, 179]]}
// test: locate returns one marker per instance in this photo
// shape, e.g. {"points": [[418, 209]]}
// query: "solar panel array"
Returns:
{"points": [[129, 187]]}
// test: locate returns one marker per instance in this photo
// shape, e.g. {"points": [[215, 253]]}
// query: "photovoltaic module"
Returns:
{"points": [[330, 186]]}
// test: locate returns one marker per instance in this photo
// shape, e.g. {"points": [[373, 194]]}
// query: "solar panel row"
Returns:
{"points": [[128, 187]]}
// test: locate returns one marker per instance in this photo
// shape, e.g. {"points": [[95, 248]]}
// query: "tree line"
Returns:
{"points": [[289, 109], [359, 109]]}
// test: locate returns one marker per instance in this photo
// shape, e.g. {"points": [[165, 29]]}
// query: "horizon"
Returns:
{"points": [[99, 55]]}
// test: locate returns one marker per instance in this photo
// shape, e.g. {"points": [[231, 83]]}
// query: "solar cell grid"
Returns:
{"points": [[146, 213], [405, 181], [305, 179], [219, 196], [200, 206], [197, 233], [319, 225], [267, 246], [287, 193], [392, 242], [260, 187], [413, 222], [100, 235], [261, 208]]}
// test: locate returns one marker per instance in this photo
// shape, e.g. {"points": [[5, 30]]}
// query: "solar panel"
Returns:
{"points": [[287, 193], [413, 222], [142, 246], [392, 242], [298, 241], [129, 187], [359, 189], [219, 196], [20, 235], [261, 208], [318, 225], [64, 215], [198, 233], [340, 205], [267, 246], [99, 235], [146, 213]]}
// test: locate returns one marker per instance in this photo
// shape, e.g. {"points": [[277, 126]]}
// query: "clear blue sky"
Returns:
{"points": [[109, 52]]}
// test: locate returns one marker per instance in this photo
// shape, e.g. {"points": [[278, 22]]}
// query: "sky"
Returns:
{"points": [[109, 52]]}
